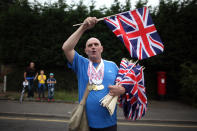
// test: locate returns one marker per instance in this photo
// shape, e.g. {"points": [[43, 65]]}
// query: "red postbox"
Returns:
{"points": [[161, 83]]}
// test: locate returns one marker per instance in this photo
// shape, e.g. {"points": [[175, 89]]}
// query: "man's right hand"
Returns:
{"points": [[70, 43], [89, 23]]}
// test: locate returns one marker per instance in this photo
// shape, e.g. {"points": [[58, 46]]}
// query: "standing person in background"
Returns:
{"points": [[41, 84], [30, 75], [51, 87]]}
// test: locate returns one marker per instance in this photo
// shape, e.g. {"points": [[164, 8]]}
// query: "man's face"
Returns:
{"points": [[93, 49], [32, 65]]}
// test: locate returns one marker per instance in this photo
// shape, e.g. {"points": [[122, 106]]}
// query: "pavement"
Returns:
{"points": [[158, 111]]}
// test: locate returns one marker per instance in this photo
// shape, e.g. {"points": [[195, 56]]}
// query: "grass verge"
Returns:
{"points": [[61, 95]]}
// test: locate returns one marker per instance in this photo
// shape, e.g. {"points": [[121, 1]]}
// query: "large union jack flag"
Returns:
{"points": [[137, 31]]}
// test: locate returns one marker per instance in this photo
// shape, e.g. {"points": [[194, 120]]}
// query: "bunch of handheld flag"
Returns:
{"points": [[134, 101], [138, 33]]}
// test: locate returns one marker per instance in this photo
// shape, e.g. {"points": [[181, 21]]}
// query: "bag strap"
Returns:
{"points": [[83, 101]]}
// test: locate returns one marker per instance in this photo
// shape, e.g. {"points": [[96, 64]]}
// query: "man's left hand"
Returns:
{"points": [[116, 90]]}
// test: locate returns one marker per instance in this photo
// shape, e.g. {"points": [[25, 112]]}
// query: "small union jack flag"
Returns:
{"points": [[122, 70], [137, 31], [141, 95]]}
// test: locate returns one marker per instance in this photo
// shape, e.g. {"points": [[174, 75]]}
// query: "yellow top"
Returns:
{"points": [[42, 79]]}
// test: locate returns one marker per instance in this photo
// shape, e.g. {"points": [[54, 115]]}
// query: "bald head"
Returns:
{"points": [[93, 40], [32, 65]]}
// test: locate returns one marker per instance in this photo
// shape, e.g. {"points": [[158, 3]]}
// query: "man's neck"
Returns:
{"points": [[96, 60]]}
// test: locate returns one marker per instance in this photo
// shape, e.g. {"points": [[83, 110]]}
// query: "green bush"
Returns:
{"points": [[15, 79], [188, 81], [1, 79], [150, 84]]}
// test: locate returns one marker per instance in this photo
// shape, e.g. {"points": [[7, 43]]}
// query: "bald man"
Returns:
{"points": [[98, 73]]}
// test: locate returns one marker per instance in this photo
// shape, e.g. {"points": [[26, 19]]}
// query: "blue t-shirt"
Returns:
{"points": [[98, 116]]}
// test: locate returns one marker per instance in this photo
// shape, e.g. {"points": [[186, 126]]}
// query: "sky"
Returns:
{"points": [[101, 3]]}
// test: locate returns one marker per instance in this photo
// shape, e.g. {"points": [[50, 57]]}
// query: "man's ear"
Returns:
{"points": [[101, 49]]}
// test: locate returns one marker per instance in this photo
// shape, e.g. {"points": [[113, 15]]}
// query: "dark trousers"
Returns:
{"points": [[30, 88], [111, 128], [41, 88]]}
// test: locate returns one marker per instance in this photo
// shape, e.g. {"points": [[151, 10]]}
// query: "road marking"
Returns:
{"points": [[119, 123], [157, 125], [33, 119]]}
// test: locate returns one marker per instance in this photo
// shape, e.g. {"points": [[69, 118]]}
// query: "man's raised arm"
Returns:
{"points": [[71, 42]]}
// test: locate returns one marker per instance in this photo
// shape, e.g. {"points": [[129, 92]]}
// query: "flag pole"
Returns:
{"points": [[82, 23], [100, 19], [132, 66]]}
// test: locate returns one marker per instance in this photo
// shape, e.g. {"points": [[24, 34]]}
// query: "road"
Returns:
{"points": [[45, 116], [17, 123]]}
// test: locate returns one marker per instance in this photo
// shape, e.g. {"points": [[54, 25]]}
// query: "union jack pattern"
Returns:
{"points": [[137, 31], [134, 101]]}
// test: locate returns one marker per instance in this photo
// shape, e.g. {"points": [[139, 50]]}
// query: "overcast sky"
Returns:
{"points": [[100, 3]]}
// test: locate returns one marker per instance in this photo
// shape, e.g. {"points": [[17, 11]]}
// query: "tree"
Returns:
{"points": [[36, 32]]}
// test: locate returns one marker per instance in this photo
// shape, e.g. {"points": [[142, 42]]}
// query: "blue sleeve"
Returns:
{"points": [[77, 61], [116, 68]]}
